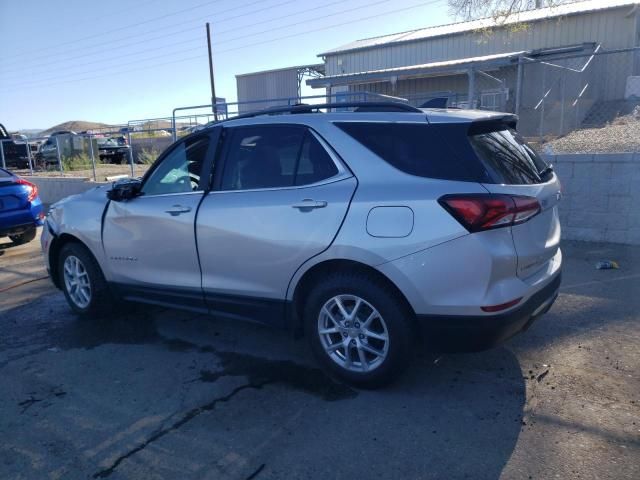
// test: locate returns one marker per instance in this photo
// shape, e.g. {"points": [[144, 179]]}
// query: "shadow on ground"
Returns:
{"points": [[457, 416]]}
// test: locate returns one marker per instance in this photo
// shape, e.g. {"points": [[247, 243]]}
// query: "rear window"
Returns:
{"points": [[4, 174], [508, 157], [419, 149]]}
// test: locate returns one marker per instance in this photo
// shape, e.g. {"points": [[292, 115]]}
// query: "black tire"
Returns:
{"points": [[394, 311], [24, 237], [101, 301]]}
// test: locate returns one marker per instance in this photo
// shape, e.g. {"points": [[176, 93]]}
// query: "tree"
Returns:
{"points": [[469, 9]]}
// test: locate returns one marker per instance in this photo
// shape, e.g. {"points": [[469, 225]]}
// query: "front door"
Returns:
{"points": [[278, 201], [149, 241]]}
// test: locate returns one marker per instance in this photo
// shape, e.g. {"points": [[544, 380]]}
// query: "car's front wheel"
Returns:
{"points": [[82, 281], [24, 237], [358, 329]]}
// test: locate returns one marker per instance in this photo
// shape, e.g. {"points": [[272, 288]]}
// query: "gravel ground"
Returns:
{"points": [[161, 394], [623, 135]]}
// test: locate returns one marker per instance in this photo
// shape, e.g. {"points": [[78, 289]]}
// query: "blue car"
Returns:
{"points": [[21, 210]]}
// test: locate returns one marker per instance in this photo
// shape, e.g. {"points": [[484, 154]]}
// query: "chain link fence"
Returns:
{"points": [[583, 104], [99, 156]]}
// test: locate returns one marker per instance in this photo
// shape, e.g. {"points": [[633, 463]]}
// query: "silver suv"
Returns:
{"points": [[359, 228]]}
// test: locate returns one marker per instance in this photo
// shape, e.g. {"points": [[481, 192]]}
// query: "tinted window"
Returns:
{"points": [[179, 171], [5, 174], [274, 156], [418, 149], [315, 164], [509, 157]]}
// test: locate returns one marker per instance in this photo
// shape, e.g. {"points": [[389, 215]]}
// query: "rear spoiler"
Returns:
{"points": [[493, 123]]}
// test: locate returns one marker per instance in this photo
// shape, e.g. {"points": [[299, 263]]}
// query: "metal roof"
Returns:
{"points": [[433, 68], [319, 67], [456, 28]]}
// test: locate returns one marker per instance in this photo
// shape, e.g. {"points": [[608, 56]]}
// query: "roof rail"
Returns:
{"points": [[359, 107]]}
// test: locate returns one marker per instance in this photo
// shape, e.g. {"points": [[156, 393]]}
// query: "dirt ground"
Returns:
{"points": [[161, 394]]}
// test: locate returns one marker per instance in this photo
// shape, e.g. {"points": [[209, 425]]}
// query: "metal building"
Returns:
{"points": [[276, 85], [479, 64]]}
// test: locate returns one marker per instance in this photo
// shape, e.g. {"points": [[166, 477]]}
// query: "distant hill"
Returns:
{"points": [[74, 125]]}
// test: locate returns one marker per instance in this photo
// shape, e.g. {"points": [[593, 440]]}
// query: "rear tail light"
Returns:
{"points": [[478, 212], [33, 189]]}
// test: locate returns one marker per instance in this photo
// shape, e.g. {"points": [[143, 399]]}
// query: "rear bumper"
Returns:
{"points": [[16, 229], [15, 222], [448, 333]]}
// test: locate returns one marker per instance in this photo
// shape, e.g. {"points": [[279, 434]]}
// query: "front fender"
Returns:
{"points": [[76, 218]]}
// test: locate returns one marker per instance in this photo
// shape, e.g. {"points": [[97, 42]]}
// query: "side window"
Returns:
{"points": [[418, 149], [274, 156], [179, 171], [261, 157], [315, 164]]}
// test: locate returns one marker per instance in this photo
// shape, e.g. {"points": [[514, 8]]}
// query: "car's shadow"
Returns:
{"points": [[454, 416]]}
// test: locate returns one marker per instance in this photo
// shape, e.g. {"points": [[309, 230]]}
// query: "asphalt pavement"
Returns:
{"points": [[162, 394]]}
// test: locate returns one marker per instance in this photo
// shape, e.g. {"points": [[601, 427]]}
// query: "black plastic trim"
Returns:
{"points": [[448, 333], [267, 311]]}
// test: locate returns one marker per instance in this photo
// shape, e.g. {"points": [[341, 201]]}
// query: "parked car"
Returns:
{"points": [[21, 210], [14, 150], [48, 152], [113, 149], [359, 229]]}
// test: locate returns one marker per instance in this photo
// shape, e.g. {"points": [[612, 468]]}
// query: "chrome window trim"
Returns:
{"points": [[195, 192], [334, 179]]}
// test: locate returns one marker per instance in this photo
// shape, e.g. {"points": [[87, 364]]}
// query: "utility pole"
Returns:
{"points": [[213, 86]]}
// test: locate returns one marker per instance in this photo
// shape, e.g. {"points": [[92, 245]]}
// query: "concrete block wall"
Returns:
{"points": [[52, 189], [601, 196]]}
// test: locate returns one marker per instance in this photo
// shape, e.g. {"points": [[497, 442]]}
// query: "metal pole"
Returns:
{"points": [[4, 165], [58, 155], [213, 86], [173, 125], [29, 157], [519, 86], [541, 126], [562, 100], [472, 87], [93, 160], [131, 149]]}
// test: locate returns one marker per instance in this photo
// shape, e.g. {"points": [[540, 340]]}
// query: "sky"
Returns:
{"points": [[122, 60]]}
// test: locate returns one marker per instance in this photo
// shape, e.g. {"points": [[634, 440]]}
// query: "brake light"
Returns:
{"points": [[478, 212], [33, 189]]}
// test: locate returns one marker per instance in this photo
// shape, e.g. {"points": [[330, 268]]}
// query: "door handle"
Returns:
{"points": [[309, 204], [177, 210]]}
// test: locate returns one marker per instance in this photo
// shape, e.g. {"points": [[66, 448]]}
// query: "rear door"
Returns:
{"points": [[519, 170], [278, 200]]}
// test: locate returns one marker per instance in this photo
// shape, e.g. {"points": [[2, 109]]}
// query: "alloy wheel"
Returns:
{"points": [[353, 333], [76, 281]]}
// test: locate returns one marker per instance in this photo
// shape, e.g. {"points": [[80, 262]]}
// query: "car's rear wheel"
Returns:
{"points": [[24, 237], [82, 281], [358, 329]]}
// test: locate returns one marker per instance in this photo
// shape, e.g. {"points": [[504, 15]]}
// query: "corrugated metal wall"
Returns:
{"points": [[613, 28], [261, 85]]}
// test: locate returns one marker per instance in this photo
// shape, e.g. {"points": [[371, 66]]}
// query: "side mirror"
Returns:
{"points": [[123, 190]]}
